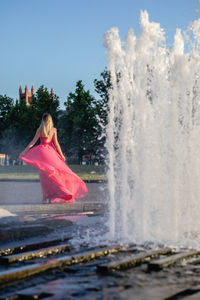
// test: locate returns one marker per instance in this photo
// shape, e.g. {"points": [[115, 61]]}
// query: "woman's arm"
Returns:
{"points": [[32, 143], [57, 145]]}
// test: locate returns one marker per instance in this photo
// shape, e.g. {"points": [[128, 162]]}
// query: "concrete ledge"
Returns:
{"points": [[26, 271], [30, 246], [37, 180], [17, 229], [130, 261], [55, 208], [158, 264], [23, 231], [41, 253]]}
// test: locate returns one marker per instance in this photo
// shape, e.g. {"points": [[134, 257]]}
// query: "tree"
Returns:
{"points": [[6, 104], [45, 102], [102, 87], [20, 129], [79, 123]]}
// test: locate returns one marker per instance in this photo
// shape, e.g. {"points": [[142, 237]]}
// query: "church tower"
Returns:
{"points": [[26, 95]]}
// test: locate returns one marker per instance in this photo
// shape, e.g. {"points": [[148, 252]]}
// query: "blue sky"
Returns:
{"points": [[57, 42]]}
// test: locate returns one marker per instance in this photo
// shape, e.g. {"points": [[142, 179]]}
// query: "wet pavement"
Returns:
{"points": [[22, 212], [78, 276], [54, 252]]}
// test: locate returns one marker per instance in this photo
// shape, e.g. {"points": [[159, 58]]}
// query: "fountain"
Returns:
{"points": [[153, 135]]}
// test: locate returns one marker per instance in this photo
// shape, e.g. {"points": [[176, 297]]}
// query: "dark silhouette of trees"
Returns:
{"points": [[77, 126], [102, 87]]}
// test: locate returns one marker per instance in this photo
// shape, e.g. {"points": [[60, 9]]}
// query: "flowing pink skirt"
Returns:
{"points": [[59, 183]]}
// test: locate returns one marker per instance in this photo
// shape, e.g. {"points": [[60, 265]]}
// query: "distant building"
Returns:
{"points": [[4, 159], [27, 96]]}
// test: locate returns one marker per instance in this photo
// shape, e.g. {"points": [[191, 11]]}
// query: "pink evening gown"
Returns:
{"points": [[59, 183]]}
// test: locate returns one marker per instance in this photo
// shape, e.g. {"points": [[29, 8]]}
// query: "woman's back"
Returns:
{"points": [[47, 139]]}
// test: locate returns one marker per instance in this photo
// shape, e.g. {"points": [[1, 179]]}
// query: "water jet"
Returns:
{"points": [[153, 135]]}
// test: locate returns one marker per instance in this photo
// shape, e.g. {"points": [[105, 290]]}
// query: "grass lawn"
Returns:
{"points": [[87, 172]]}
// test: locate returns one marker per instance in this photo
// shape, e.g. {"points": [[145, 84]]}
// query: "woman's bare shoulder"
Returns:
{"points": [[54, 132], [38, 131]]}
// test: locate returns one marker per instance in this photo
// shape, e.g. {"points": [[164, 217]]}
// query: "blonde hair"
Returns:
{"points": [[46, 126]]}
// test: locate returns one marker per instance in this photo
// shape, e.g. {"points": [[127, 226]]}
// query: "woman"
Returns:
{"points": [[59, 184]]}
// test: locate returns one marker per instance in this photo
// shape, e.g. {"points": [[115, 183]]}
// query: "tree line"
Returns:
{"points": [[81, 124]]}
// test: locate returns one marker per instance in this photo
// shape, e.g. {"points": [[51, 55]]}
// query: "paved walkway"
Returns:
{"points": [[24, 198], [12, 192]]}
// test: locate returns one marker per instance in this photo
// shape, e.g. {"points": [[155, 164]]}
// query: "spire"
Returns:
{"points": [[26, 88], [32, 90], [52, 92], [20, 92]]}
